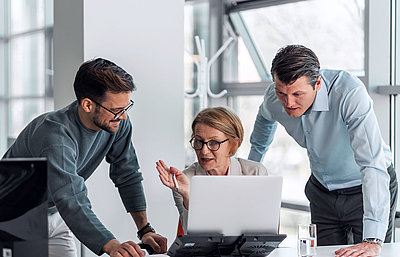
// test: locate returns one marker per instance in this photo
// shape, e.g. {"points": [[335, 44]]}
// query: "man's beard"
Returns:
{"points": [[104, 126]]}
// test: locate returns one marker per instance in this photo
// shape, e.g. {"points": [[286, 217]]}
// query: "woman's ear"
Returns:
{"points": [[234, 146], [87, 105]]}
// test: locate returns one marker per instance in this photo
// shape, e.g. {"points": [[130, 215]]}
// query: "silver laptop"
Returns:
{"points": [[234, 205]]}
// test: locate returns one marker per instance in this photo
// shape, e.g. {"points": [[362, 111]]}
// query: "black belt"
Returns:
{"points": [[342, 191]]}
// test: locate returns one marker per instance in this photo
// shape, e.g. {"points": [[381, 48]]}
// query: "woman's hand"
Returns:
{"points": [[166, 176]]}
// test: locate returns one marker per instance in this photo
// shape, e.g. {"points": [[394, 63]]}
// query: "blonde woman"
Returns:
{"points": [[217, 133]]}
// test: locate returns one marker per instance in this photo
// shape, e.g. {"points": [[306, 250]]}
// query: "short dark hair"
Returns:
{"points": [[294, 61], [98, 76]]}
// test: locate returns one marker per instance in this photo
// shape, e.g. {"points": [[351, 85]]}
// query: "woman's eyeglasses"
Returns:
{"points": [[212, 145]]}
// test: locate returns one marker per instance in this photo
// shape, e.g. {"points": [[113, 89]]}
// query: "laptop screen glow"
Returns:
{"points": [[234, 205]]}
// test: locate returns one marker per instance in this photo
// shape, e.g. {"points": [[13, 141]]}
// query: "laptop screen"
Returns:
{"points": [[23, 207], [234, 205]]}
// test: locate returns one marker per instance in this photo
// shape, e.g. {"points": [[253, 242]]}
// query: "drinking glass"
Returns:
{"points": [[307, 240]]}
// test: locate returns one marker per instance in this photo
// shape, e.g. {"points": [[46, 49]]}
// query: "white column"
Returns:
{"points": [[146, 39], [68, 48], [378, 55]]}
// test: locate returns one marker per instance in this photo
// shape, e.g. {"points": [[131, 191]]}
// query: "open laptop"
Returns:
{"points": [[23, 207], [234, 205]]}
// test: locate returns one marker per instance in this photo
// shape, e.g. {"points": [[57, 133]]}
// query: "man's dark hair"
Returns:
{"points": [[294, 61], [96, 77]]}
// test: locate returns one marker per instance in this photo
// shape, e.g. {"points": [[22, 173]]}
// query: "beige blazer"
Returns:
{"points": [[238, 167]]}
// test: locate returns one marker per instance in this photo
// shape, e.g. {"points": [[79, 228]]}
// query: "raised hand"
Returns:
{"points": [[166, 176]]}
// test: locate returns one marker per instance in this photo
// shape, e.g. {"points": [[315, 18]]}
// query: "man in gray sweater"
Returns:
{"points": [[75, 140]]}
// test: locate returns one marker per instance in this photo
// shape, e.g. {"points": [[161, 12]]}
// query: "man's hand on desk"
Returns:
{"points": [[363, 250], [156, 241], [115, 249]]}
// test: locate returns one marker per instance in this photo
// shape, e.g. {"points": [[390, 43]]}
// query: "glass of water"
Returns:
{"points": [[307, 240]]}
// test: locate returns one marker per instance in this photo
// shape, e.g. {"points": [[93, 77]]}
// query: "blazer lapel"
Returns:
{"points": [[236, 169]]}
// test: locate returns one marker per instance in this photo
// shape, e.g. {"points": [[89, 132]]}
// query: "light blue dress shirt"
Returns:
{"points": [[343, 142]]}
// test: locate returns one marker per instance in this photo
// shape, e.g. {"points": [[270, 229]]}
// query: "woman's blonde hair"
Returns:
{"points": [[223, 120]]}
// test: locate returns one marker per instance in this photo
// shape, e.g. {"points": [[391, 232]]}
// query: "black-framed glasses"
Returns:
{"points": [[212, 145], [117, 115]]}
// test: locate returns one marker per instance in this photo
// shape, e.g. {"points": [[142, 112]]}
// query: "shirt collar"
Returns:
{"points": [[321, 99]]}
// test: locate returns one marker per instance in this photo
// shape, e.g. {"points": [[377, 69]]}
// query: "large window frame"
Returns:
{"points": [[235, 88], [6, 40], [378, 20], [236, 19]]}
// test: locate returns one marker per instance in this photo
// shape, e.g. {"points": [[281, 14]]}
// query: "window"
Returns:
{"points": [[327, 27], [334, 29], [26, 66], [196, 24]]}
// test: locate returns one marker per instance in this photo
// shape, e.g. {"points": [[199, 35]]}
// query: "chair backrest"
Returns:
{"points": [[180, 231]]}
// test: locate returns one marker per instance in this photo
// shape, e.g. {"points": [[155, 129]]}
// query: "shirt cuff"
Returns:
{"points": [[255, 156], [373, 229]]}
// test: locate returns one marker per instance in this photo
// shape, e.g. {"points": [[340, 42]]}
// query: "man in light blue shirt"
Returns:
{"points": [[330, 113]]}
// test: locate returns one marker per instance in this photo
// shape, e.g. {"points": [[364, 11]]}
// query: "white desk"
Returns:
{"points": [[388, 250]]}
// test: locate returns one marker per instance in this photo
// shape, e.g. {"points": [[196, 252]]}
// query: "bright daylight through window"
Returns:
{"points": [[26, 64], [334, 29]]}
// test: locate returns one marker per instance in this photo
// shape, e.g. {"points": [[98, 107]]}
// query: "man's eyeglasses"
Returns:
{"points": [[117, 115], [213, 145]]}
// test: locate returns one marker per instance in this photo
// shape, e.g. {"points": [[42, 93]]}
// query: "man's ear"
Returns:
{"points": [[87, 105], [318, 84]]}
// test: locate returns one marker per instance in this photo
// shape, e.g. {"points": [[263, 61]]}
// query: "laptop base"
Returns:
{"points": [[246, 245]]}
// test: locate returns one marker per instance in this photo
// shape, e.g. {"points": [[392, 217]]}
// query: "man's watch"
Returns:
{"points": [[374, 241], [144, 230]]}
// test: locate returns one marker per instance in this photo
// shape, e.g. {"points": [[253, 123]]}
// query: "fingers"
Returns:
{"points": [[161, 167], [359, 250], [174, 170], [164, 174], [166, 182], [139, 250], [127, 249], [150, 241], [162, 242], [340, 251], [156, 241]]}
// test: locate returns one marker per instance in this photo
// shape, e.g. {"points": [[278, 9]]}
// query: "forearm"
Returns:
{"points": [[147, 234], [186, 200], [140, 218], [261, 137]]}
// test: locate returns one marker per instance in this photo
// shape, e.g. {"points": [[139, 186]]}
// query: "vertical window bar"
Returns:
{"points": [[392, 99], [6, 80], [241, 29]]}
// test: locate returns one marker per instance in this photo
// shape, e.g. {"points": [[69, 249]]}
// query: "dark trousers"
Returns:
{"points": [[339, 213]]}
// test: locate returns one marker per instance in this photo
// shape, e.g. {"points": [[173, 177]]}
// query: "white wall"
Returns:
{"points": [[146, 39]]}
